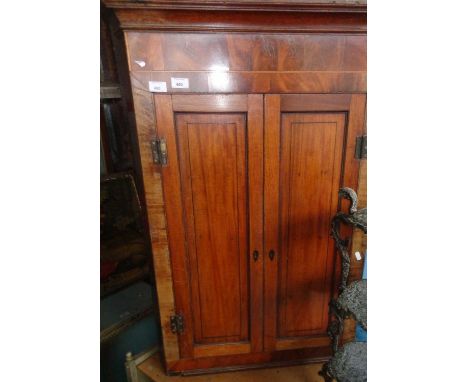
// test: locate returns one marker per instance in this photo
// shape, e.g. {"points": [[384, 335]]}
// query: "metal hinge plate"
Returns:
{"points": [[159, 151], [361, 147], [177, 324]]}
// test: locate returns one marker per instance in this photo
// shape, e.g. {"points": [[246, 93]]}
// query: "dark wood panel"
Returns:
{"points": [[210, 103], [242, 21], [221, 349], [303, 342], [349, 114], [252, 5], [212, 159], [310, 169], [242, 52], [211, 173], [319, 102], [255, 131], [272, 160], [258, 82]]}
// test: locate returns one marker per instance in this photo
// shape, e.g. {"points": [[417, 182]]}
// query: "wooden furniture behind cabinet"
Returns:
{"points": [[243, 153]]}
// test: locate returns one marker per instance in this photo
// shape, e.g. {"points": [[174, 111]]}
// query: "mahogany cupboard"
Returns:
{"points": [[248, 114]]}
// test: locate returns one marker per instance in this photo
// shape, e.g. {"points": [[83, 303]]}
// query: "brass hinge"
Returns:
{"points": [[177, 324], [361, 147], [159, 151]]}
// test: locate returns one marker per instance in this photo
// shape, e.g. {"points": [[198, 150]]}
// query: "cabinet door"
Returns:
{"points": [[213, 191], [309, 155]]}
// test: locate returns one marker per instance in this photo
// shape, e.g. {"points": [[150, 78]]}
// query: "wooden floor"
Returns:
{"points": [[153, 370]]}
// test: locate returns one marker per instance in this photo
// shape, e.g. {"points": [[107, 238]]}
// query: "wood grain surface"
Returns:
{"points": [[243, 52], [145, 120], [240, 63], [212, 159], [152, 369], [258, 145]]}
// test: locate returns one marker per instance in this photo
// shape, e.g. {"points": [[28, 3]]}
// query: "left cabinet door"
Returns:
{"points": [[213, 193]]}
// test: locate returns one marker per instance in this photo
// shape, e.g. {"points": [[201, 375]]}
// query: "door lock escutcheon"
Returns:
{"points": [[255, 255], [271, 254]]}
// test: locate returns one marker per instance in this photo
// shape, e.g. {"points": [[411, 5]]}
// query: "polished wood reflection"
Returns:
{"points": [[255, 82], [310, 21], [258, 145], [241, 52], [239, 63]]}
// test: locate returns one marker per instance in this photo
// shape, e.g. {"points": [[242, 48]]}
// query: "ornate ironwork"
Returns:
{"points": [[342, 246], [338, 313], [351, 195], [356, 218], [335, 329]]}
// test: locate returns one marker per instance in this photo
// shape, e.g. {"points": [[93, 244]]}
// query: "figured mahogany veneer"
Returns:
{"points": [[246, 52], [239, 63], [258, 146]]}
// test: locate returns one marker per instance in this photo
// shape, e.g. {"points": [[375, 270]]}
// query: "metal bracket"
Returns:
{"points": [[177, 324], [361, 147], [159, 151]]}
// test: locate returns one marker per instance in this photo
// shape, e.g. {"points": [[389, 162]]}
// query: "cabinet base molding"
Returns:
{"points": [[248, 361]]}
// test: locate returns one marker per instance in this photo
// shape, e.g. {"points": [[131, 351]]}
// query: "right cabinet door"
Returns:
{"points": [[309, 155]]}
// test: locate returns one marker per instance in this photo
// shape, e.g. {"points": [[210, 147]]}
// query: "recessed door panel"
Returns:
{"points": [[308, 156], [213, 190], [309, 173], [248, 207], [212, 160]]}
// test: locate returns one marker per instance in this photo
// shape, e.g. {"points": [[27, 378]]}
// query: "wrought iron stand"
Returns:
{"points": [[349, 363]]}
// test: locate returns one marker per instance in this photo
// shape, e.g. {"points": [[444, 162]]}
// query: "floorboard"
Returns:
{"points": [[153, 370]]}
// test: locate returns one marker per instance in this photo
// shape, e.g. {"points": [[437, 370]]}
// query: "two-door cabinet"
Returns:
{"points": [[248, 114]]}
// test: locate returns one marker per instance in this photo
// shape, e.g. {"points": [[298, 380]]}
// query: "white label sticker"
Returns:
{"points": [[358, 256], [157, 86], [180, 83]]}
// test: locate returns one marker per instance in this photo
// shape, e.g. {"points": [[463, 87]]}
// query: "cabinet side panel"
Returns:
{"points": [[145, 120], [359, 242]]}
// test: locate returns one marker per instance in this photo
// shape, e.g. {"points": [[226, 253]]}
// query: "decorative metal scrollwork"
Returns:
{"points": [[357, 219]]}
